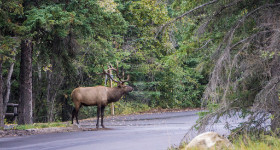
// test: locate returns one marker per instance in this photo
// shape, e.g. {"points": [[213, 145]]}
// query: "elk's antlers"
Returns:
{"points": [[117, 74]]}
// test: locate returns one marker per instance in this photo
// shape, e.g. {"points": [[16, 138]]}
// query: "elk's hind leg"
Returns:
{"points": [[75, 112], [102, 116], [98, 114]]}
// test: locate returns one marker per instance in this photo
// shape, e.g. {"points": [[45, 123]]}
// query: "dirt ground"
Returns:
{"points": [[13, 132]]}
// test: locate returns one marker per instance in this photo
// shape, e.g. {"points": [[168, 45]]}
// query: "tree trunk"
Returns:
{"points": [[275, 123], [54, 83], [25, 100], [275, 120], [275, 103], [8, 83], [1, 95], [49, 117]]}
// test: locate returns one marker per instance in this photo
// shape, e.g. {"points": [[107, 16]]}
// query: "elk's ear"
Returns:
{"points": [[119, 84]]}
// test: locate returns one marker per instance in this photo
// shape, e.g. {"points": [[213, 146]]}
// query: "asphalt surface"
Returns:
{"points": [[134, 132]]}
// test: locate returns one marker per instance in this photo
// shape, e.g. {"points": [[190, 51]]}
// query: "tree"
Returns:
{"points": [[25, 100], [244, 77], [84, 30], [73, 39], [10, 29], [1, 95]]}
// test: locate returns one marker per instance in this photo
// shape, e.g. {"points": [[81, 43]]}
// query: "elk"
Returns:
{"points": [[99, 96]]}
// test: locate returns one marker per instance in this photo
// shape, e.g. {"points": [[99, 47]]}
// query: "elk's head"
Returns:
{"points": [[125, 88], [121, 83]]}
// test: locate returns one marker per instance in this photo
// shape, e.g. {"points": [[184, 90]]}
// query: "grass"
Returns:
{"points": [[40, 125], [265, 142], [244, 142]]}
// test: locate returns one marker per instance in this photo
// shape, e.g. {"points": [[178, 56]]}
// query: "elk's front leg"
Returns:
{"points": [[73, 115], [102, 116], [98, 114]]}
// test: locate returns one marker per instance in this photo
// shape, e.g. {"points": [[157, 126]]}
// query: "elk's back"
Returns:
{"points": [[90, 95]]}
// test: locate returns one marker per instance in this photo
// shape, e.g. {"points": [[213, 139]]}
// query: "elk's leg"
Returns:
{"points": [[75, 112], [98, 114], [102, 115]]}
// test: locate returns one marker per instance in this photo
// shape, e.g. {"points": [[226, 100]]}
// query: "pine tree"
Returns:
{"points": [[25, 100]]}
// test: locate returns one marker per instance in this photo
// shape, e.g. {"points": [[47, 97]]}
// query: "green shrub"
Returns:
{"points": [[130, 107]]}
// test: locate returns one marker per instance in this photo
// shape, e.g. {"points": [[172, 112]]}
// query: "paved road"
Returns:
{"points": [[138, 132]]}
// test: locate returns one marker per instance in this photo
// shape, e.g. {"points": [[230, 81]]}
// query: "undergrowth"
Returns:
{"points": [[130, 107], [264, 142], [120, 108]]}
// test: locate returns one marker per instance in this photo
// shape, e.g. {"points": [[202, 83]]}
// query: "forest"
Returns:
{"points": [[222, 55]]}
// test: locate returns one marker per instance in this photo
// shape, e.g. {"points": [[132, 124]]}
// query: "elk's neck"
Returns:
{"points": [[114, 94]]}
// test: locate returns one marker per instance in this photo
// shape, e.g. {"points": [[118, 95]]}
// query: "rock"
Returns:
{"points": [[209, 140], [30, 130], [76, 126]]}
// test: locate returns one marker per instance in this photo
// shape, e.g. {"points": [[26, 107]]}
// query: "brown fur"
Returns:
{"points": [[99, 96]]}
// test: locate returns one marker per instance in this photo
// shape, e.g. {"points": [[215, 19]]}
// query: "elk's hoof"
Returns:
{"points": [[103, 126]]}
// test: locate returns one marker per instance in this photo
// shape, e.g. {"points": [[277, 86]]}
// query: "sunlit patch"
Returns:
{"points": [[108, 5]]}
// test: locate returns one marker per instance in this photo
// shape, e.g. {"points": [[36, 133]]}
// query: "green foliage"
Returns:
{"points": [[48, 19], [146, 15], [10, 12], [91, 20], [74, 40], [130, 107]]}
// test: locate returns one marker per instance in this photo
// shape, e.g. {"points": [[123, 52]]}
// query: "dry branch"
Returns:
{"points": [[201, 29], [240, 62], [161, 28], [206, 43]]}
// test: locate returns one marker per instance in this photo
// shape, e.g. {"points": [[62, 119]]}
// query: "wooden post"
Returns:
{"points": [[112, 104], [15, 113]]}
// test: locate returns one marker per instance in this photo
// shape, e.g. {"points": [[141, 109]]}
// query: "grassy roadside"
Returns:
{"points": [[132, 107], [245, 142], [264, 142], [40, 125], [129, 108]]}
